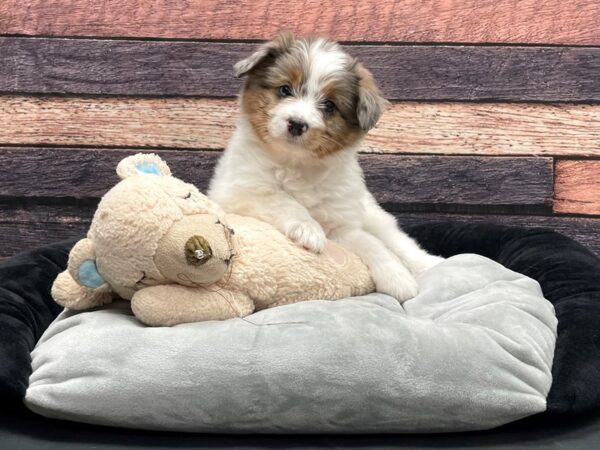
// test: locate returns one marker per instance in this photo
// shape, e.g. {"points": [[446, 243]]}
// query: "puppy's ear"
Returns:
{"points": [[266, 52], [370, 103]]}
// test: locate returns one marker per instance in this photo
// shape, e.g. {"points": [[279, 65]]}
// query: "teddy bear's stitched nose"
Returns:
{"points": [[197, 251]]}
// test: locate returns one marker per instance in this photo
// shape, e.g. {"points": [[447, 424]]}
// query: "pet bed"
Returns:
{"points": [[567, 272], [473, 350]]}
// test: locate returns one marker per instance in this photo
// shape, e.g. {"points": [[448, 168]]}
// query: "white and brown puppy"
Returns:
{"points": [[292, 161]]}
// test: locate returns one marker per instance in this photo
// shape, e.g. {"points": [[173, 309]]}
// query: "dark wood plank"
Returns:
{"points": [[484, 73], [400, 182], [459, 183], [521, 129], [405, 72], [86, 173], [24, 226], [577, 187], [82, 66], [522, 21]]}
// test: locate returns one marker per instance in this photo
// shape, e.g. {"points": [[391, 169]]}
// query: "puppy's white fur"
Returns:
{"points": [[311, 199]]}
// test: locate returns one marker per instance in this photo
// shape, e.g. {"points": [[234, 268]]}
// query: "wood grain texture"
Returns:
{"points": [[117, 121], [508, 21], [488, 129], [23, 227], [86, 173], [406, 72], [26, 226], [407, 127], [577, 187], [459, 182], [400, 182]]}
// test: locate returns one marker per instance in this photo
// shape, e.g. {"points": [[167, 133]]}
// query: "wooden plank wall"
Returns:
{"points": [[495, 112]]}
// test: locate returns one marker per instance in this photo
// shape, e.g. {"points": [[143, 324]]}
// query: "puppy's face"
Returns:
{"points": [[307, 95]]}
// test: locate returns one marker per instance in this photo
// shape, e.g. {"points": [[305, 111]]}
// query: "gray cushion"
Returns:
{"points": [[473, 351]]}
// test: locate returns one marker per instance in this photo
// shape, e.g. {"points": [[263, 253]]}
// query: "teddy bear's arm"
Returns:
{"points": [[171, 304]]}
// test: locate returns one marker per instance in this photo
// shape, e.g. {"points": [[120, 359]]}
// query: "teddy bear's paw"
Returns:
{"points": [[394, 279], [422, 264], [306, 234]]}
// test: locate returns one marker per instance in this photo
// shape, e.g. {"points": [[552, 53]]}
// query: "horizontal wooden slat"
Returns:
{"points": [[406, 72], [400, 182], [459, 182], [27, 226], [407, 127], [488, 129], [24, 227], [123, 122], [526, 21], [86, 173], [577, 187]]}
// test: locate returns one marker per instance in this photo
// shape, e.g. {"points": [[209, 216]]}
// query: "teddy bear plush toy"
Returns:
{"points": [[159, 242]]}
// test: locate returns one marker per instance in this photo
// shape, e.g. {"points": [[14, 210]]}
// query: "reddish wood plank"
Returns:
{"points": [[506, 21], [407, 127], [400, 182], [117, 121], [23, 227], [577, 187], [407, 72], [488, 129]]}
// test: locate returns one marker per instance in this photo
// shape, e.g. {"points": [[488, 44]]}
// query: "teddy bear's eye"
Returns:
{"points": [[189, 194]]}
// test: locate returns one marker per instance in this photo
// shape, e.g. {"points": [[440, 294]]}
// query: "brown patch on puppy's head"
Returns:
{"points": [[264, 56], [308, 94], [370, 102]]}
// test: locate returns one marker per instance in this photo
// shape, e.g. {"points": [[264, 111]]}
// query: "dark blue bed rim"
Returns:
{"points": [[568, 273]]}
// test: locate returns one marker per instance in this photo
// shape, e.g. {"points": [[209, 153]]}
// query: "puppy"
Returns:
{"points": [[292, 161]]}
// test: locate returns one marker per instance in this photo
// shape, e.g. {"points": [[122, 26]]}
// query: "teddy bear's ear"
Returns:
{"points": [[82, 264], [81, 286], [142, 164]]}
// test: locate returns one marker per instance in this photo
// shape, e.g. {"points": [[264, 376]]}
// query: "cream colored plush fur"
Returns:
{"points": [[162, 244]]}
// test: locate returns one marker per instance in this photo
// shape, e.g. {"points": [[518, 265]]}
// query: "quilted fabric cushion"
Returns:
{"points": [[570, 278], [474, 350]]}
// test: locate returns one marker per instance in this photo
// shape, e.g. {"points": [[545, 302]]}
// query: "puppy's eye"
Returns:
{"points": [[284, 91], [329, 106], [188, 195]]}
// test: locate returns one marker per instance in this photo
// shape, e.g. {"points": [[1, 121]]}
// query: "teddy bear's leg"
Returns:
{"points": [[171, 304]]}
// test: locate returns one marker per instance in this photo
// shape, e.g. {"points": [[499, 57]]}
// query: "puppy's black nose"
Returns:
{"points": [[297, 127]]}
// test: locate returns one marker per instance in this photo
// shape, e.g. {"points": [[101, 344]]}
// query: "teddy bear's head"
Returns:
{"points": [[151, 228]]}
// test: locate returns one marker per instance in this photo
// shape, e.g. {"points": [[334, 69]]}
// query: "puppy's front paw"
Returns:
{"points": [[419, 265], [309, 235], [394, 279]]}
